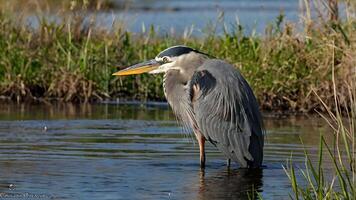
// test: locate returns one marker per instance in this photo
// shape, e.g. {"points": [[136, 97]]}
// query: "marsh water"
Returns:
{"points": [[175, 16], [191, 17], [109, 151]]}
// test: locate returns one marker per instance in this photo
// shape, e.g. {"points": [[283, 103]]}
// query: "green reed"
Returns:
{"points": [[317, 182]]}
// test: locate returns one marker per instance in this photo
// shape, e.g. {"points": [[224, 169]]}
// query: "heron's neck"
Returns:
{"points": [[174, 86], [175, 90]]}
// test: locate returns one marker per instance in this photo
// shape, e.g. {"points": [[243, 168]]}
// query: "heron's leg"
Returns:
{"points": [[201, 141], [228, 162]]}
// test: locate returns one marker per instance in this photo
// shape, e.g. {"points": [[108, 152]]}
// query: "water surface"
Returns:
{"points": [[176, 16], [134, 152], [188, 17]]}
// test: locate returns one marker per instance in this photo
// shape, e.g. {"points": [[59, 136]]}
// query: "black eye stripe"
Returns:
{"points": [[178, 51], [175, 51]]}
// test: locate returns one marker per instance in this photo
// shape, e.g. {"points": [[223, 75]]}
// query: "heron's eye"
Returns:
{"points": [[165, 59]]}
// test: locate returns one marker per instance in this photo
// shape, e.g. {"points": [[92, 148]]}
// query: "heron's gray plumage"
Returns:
{"points": [[213, 99], [232, 122], [223, 108]]}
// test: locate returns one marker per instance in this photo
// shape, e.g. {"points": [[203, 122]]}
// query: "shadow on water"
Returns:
{"points": [[231, 184]]}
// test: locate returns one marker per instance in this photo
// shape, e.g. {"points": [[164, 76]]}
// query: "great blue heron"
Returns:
{"points": [[212, 98]]}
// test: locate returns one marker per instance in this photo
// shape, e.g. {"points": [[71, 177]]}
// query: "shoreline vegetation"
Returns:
{"points": [[71, 59], [314, 180]]}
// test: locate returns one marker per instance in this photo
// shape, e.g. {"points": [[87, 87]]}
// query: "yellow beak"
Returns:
{"points": [[139, 68]]}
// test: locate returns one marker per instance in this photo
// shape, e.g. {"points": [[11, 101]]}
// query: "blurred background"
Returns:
{"points": [[176, 16]]}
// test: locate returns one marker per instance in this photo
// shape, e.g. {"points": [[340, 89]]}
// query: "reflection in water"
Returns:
{"points": [[134, 152], [84, 111], [231, 184]]}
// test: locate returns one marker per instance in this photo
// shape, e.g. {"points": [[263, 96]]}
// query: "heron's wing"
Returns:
{"points": [[226, 112]]}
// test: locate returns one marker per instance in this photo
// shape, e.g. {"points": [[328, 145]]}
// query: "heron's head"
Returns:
{"points": [[181, 58]]}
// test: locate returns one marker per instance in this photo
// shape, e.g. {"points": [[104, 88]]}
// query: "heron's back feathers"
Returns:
{"points": [[226, 112]]}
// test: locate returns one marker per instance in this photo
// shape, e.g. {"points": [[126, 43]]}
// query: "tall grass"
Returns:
{"points": [[316, 181], [72, 58], [340, 182]]}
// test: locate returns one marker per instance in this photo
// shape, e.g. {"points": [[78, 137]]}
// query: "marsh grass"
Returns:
{"points": [[338, 99], [317, 182], [70, 57]]}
